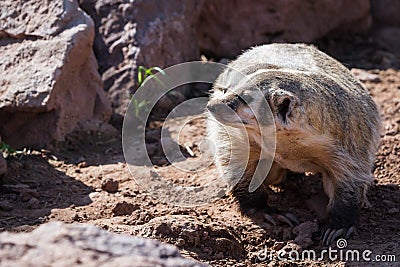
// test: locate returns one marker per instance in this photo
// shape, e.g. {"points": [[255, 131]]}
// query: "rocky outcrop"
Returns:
{"points": [[227, 27], [48, 74], [49, 80], [141, 33], [163, 33], [59, 244]]}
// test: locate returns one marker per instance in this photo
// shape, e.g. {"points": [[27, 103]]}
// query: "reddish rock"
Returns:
{"points": [[227, 27], [109, 185], [124, 208], [140, 33], [130, 34], [48, 73]]}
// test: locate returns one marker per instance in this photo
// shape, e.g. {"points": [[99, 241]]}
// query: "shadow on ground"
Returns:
{"points": [[33, 187]]}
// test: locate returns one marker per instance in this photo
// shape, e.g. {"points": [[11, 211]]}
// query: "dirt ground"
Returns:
{"points": [[86, 180]]}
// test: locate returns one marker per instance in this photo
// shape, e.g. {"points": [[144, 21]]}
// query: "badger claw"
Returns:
{"points": [[331, 235], [287, 218], [293, 218], [269, 218], [350, 231]]}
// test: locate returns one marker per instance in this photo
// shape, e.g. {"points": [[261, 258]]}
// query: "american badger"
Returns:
{"points": [[325, 122]]}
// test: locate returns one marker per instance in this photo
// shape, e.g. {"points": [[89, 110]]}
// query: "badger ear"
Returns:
{"points": [[282, 104]]}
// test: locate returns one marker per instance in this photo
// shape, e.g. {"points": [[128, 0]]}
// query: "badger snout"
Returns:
{"points": [[233, 111]]}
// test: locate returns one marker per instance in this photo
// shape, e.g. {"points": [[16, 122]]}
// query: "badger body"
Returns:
{"points": [[322, 117]]}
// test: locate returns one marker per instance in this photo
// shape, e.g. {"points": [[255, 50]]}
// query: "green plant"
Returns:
{"points": [[138, 106], [144, 74]]}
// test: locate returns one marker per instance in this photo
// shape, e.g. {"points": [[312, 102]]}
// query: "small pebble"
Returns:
{"points": [[278, 246], [27, 194], [109, 185], [124, 208], [33, 203]]}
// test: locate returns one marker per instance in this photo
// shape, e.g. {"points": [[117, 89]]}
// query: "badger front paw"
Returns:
{"points": [[343, 220]]}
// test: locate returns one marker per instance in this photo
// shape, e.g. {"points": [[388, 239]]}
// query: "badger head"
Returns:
{"points": [[255, 101]]}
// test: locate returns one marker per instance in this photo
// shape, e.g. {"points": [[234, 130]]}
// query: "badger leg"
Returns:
{"points": [[345, 197], [256, 202], [255, 205], [247, 201]]}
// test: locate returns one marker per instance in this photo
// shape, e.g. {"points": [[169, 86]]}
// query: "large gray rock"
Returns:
{"points": [[141, 33], [48, 73], [59, 244], [227, 27]]}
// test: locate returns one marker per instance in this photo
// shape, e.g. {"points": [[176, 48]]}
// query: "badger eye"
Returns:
{"points": [[224, 90]]}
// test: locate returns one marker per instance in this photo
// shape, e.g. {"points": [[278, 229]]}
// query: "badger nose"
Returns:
{"points": [[224, 106], [217, 108], [233, 103]]}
